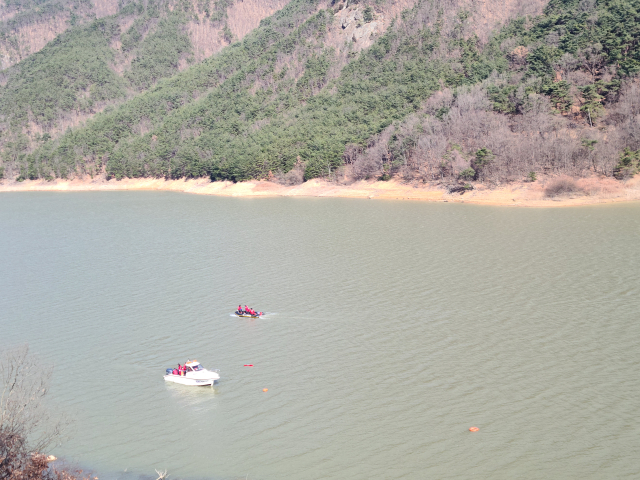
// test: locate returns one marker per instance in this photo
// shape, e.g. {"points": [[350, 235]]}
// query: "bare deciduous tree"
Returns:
{"points": [[25, 384], [27, 427], [592, 59], [436, 143]]}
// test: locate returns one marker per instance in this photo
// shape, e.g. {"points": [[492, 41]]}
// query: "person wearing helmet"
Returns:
{"points": [[240, 310]]}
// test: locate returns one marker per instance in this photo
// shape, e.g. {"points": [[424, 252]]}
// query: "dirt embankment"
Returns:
{"points": [[592, 191]]}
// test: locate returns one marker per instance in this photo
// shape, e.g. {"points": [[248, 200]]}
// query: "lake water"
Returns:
{"points": [[392, 328]]}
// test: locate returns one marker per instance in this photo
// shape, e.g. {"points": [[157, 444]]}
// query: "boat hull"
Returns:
{"points": [[192, 382], [250, 316]]}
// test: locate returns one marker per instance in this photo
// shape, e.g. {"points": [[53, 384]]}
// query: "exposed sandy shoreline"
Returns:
{"points": [[517, 194]]}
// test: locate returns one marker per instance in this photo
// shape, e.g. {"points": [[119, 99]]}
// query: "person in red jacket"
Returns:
{"points": [[240, 309]]}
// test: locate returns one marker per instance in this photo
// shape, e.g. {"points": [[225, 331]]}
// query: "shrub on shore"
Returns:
{"points": [[562, 186], [26, 426]]}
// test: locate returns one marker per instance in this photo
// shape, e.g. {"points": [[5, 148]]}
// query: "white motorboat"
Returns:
{"points": [[196, 375]]}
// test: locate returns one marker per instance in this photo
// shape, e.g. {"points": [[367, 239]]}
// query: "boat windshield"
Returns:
{"points": [[197, 368]]}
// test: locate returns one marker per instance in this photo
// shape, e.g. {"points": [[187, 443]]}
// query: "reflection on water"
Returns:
{"points": [[399, 326]]}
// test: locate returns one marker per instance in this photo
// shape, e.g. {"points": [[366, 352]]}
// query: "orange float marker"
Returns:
{"points": [[248, 365], [473, 429], [265, 389]]}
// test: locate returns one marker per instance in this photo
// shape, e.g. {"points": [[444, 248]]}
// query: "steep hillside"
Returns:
{"points": [[429, 90], [284, 94], [102, 62], [26, 26]]}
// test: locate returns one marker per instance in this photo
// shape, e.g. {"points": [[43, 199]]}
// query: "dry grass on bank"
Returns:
{"points": [[604, 187], [592, 186]]}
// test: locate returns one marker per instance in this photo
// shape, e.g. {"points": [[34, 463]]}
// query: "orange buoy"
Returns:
{"points": [[473, 429], [249, 365], [265, 389]]}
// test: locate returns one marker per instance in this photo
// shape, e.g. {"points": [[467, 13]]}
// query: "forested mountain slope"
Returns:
{"points": [[98, 63], [444, 89], [565, 100]]}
